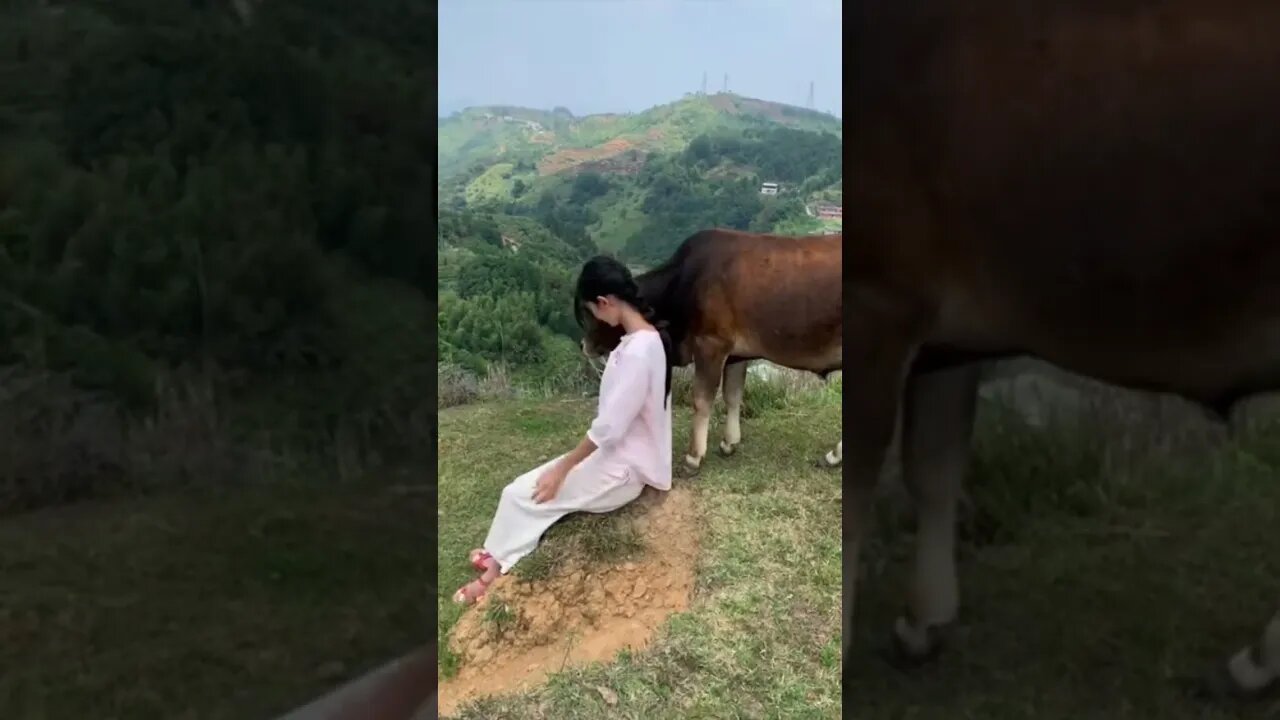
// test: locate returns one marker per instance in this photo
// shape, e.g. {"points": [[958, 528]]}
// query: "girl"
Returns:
{"points": [[627, 446]]}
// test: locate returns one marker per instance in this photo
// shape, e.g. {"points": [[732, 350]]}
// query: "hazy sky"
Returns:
{"points": [[595, 56]]}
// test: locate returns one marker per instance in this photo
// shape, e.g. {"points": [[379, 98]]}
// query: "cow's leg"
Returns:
{"points": [[1252, 671], [877, 375], [937, 433], [735, 381], [708, 366], [834, 457]]}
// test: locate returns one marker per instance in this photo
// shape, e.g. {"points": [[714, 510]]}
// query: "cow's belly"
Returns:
{"points": [[1207, 368], [815, 357]]}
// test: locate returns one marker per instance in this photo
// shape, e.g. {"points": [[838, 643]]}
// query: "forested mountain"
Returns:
{"points": [[235, 189], [526, 195]]}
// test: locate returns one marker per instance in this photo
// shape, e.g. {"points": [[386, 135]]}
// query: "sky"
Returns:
{"points": [[595, 56]]}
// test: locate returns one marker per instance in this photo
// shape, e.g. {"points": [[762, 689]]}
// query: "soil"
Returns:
{"points": [[568, 158], [585, 613]]}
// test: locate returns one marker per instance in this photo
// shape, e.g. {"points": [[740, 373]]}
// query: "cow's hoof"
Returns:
{"points": [[1218, 686], [824, 462], [726, 449], [910, 649], [687, 469]]}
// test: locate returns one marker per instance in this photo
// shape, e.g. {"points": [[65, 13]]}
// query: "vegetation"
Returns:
{"points": [[768, 551], [184, 190], [512, 235], [1078, 507], [212, 279], [213, 605], [484, 133]]}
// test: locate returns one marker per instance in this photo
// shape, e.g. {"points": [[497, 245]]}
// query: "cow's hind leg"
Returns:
{"points": [[708, 366], [735, 382], [877, 375], [1252, 671], [937, 432], [834, 457]]}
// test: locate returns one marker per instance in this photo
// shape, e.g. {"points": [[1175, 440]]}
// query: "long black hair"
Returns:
{"points": [[603, 276]]}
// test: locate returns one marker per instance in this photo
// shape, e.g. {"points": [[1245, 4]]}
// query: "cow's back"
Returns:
{"points": [[1095, 183], [768, 295]]}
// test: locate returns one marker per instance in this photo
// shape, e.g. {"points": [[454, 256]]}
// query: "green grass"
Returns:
{"points": [[620, 218], [492, 185], [762, 636], [1110, 555], [801, 225], [229, 605]]}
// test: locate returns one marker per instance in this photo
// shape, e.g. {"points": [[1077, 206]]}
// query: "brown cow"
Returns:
{"points": [[1096, 184], [730, 297]]}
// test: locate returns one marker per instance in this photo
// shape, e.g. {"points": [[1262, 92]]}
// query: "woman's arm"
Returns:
{"points": [[549, 484], [623, 390], [622, 394], [577, 455]]}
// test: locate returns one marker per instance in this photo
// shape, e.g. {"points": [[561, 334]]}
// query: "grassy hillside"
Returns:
{"points": [[223, 605], [1119, 543], [508, 134], [769, 550], [654, 177]]}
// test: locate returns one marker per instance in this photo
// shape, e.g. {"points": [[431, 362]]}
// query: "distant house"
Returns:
{"points": [[831, 212], [769, 188]]}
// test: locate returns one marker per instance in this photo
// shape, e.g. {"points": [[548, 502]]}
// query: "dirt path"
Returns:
{"points": [[583, 614]]}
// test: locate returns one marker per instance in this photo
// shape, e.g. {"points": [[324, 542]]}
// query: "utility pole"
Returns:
{"points": [[810, 104], [726, 83], [704, 82]]}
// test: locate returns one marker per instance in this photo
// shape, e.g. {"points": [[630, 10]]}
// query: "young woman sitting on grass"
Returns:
{"points": [[627, 446]]}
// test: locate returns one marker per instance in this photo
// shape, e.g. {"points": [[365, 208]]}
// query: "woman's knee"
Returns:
{"points": [[521, 486], [511, 490]]}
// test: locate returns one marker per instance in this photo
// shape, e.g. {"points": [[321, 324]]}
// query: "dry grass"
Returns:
{"points": [[459, 386], [61, 444]]}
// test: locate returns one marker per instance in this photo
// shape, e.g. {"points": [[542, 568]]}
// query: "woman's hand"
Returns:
{"points": [[549, 484]]}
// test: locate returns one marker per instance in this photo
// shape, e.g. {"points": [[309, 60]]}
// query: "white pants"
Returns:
{"points": [[599, 484]]}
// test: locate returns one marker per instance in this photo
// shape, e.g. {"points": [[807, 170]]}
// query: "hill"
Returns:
{"points": [[637, 184], [504, 300], [526, 195], [556, 141]]}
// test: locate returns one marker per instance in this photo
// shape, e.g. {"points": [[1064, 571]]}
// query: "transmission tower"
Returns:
{"points": [[810, 104], [726, 83], [704, 82]]}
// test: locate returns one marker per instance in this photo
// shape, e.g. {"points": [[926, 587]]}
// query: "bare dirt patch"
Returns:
{"points": [[522, 631], [558, 162]]}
